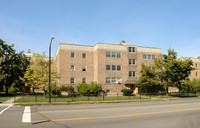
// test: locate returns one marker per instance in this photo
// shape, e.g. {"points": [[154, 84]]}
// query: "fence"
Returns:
{"points": [[39, 97]]}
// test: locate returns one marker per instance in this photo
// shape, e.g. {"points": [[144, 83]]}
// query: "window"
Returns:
{"points": [[131, 74], [113, 54], [107, 80], [113, 67], [108, 91], [72, 54], [118, 68], [107, 54], [131, 49], [83, 68], [131, 61], [196, 73], [144, 57], [72, 80], [107, 67], [149, 57], [72, 67], [118, 55], [196, 65], [190, 73], [153, 57], [83, 80], [113, 80], [84, 55]]}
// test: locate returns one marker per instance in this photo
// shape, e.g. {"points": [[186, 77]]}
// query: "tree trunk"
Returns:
{"points": [[6, 90], [33, 90]]}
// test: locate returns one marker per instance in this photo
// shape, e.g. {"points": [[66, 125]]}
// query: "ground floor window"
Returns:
{"points": [[113, 80]]}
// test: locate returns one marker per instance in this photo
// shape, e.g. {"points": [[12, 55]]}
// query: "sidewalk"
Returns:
{"points": [[11, 100]]}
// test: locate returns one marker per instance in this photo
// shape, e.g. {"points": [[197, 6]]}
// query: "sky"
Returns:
{"points": [[29, 24]]}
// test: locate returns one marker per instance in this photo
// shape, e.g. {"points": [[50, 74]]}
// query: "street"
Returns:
{"points": [[165, 114]]}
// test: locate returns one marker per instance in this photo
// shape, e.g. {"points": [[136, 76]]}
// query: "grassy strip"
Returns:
{"points": [[41, 100], [5, 98]]}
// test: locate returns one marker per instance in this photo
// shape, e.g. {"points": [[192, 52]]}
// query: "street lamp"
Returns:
{"points": [[50, 69]]}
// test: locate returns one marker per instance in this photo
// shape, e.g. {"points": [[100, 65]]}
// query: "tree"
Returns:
{"points": [[173, 71], [149, 80], [37, 74], [12, 66]]}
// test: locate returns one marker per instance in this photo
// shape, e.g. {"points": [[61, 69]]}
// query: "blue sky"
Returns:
{"points": [[29, 24]]}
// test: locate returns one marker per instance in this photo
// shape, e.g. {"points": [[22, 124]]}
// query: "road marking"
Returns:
{"points": [[6, 108], [111, 108], [26, 118], [88, 118]]}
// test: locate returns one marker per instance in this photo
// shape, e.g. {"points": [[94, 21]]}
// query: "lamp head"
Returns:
{"points": [[52, 37]]}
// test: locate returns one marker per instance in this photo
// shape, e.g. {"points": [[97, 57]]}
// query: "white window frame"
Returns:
{"points": [[84, 67], [133, 74], [72, 68], [71, 80]]}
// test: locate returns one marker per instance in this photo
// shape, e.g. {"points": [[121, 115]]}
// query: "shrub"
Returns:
{"points": [[127, 92], [11, 90], [92, 88], [70, 89], [55, 90], [83, 88]]}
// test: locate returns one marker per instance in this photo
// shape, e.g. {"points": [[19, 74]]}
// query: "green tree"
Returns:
{"points": [[173, 71], [12, 66], [37, 74], [149, 80]]}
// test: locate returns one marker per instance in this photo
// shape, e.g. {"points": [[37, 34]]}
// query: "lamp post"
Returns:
{"points": [[50, 69]]}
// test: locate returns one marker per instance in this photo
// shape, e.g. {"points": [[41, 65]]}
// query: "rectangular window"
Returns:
{"points": [[83, 80], [107, 67], [72, 80], [118, 68], [113, 54], [131, 74], [196, 73], [196, 65], [131, 61], [72, 54], [107, 54], [113, 80], [131, 49], [108, 91], [84, 55], [153, 57], [118, 55], [107, 80], [144, 57], [113, 67], [72, 67], [83, 68], [149, 57]]}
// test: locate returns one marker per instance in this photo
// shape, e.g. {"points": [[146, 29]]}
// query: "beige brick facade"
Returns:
{"points": [[96, 61], [196, 72]]}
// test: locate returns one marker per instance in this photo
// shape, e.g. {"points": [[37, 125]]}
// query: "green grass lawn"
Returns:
{"points": [[93, 99], [5, 98]]}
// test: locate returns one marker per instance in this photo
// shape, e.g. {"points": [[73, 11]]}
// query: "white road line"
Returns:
{"points": [[6, 108], [26, 118]]}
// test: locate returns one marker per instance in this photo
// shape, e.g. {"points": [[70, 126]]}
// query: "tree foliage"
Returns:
{"points": [[169, 71], [12, 66], [37, 74], [92, 88]]}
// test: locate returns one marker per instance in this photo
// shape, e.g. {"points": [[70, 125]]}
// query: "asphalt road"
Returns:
{"points": [[168, 114]]}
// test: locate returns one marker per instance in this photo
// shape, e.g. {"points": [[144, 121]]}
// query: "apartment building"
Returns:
{"points": [[196, 72], [114, 66]]}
